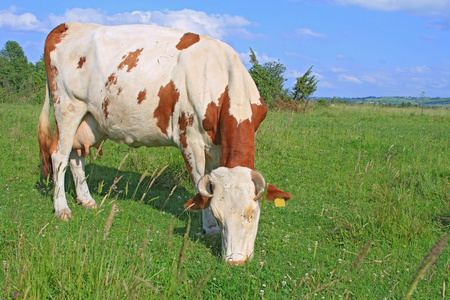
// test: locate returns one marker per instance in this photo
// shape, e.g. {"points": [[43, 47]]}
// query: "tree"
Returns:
{"points": [[269, 79], [39, 79], [305, 86], [15, 71]]}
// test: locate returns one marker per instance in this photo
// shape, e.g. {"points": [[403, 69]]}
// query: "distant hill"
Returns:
{"points": [[396, 101]]}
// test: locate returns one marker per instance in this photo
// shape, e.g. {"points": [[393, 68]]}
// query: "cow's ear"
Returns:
{"points": [[199, 202], [273, 193]]}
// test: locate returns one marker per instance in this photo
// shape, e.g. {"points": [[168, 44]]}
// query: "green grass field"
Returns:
{"points": [[358, 174]]}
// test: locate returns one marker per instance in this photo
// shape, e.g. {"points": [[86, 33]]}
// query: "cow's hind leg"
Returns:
{"points": [[68, 118], [77, 164]]}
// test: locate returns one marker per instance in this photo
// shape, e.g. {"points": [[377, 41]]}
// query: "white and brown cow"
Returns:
{"points": [[150, 86]]}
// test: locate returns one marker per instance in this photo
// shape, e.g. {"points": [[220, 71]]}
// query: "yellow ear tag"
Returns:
{"points": [[279, 202]]}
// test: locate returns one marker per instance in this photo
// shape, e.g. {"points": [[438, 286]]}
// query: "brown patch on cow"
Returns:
{"points": [[187, 158], [112, 79], [237, 139], [212, 118], [54, 38], [259, 113], [273, 193], [45, 140], [197, 203], [249, 211], [168, 97], [130, 60], [54, 145], [187, 40], [105, 107], [119, 91], [184, 121], [142, 96], [81, 62], [52, 84]]}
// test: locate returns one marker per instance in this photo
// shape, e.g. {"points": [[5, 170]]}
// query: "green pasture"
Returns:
{"points": [[358, 174]]}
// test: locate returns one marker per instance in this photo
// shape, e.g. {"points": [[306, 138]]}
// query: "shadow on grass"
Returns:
{"points": [[166, 194]]}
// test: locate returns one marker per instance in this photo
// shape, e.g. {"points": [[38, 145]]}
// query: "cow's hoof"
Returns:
{"points": [[90, 205], [64, 215]]}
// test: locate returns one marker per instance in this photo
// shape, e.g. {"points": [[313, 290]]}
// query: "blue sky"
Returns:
{"points": [[358, 47]]}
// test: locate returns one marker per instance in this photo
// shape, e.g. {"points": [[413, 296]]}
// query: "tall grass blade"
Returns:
{"points": [[171, 193], [183, 248], [148, 284], [170, 233], [361, 255], [427, 262], [110, 218], [139, 183], [202, 282]]}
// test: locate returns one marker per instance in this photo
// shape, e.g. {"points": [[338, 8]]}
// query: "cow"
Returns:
{"points": [[144, 85]]}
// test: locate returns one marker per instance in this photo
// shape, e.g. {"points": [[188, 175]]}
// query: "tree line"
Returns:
{"points": [[20, 80], [23, 81]]}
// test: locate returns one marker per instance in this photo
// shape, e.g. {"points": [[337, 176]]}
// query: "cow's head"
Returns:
{"points": [[233, 195]]}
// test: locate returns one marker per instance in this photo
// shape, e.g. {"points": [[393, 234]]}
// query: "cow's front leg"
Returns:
{"points": [[210, 225], [77, 163], [194, 157]]}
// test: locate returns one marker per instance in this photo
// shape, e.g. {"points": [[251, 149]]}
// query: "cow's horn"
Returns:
{"points": [[260, 184], [202, 186]]}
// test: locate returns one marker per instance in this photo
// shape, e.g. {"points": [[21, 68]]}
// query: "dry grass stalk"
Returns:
{"points": [[426, 264], [183, 248], [99, 150], [171, 193], [148, 284], [110, 219], [154, 178], [354, 265], [362, 254], [40, 231], [121, 163], [112, 187]]}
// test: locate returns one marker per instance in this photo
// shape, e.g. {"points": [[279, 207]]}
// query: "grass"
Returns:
{"points": [[359, 175]]}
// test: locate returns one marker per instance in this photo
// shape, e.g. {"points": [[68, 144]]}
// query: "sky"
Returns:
{"points": [[357, 48]]}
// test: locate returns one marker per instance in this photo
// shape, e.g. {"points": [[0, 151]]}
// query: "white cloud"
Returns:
{"points": [[326, 84], [307, 33], [414, 70], [262, 58], [293, 74], [215, 25], [298, 55], [338, 70], [218, 26], [20, 22], [422, 7], [347, 78], [369, 78]]}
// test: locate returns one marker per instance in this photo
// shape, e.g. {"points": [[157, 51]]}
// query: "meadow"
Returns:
{"points": [[360, 176]]}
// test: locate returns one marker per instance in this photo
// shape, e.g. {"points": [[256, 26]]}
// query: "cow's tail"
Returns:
{"points": [[45, 136]]}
